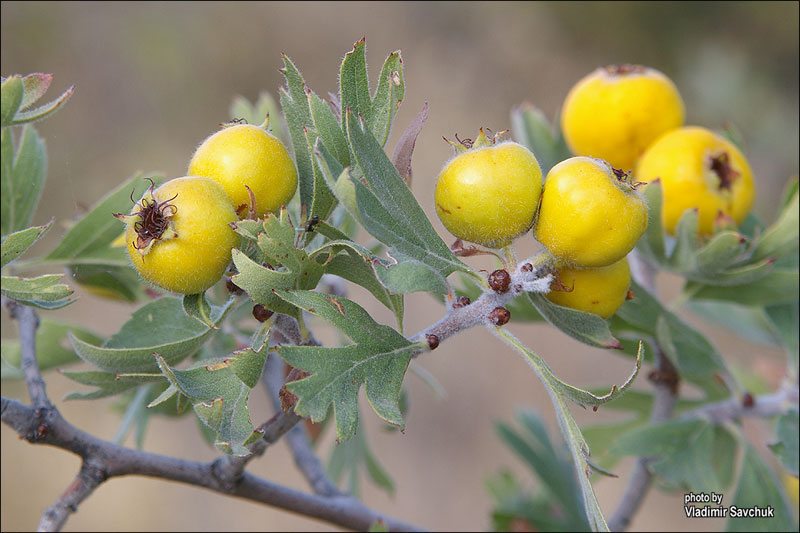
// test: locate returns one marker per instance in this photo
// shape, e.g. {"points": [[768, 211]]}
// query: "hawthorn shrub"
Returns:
{"points": [[238, 229]]}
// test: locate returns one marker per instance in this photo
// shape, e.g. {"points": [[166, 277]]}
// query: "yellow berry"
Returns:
{"points": [[595, 290], [590, 214], [489, 195], [698, 169], [615, 112], [179, 236], [246, 155]]}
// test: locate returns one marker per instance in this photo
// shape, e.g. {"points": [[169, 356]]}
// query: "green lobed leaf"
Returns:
{"points": [[337, 178], [786, 447], [289, 267], [35, 85], [16, 243], [22, 180], [652, 242], [387, 99], [410, 275], [692, 354], [575, 441], [682, 258], [196, 306], [601, 438], [691, 466], [355, 269], [532, 130], [117, 283], [785, 318], [349, 458], [52, 348], [328, 128], [534, 447], [782, 237], [295, 105], [11, 94], [389, 210], [722, 250], [41, 112], [220, 399], [44, 292], [324, 200], [106, 383], [378, 358], [749, 322], [779, 286], [353, 81], [586, 327], [757, 487], [161, 327], [690, 454]]}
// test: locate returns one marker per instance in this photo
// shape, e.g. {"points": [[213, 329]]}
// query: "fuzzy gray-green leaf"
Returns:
{"points": [[44, 292], [378, 358], [22, 180], [588, 328], [11, 94], [159, 327], [16, 243], [389, 210]]}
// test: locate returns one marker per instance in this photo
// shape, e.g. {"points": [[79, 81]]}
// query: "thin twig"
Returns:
{"points": [[88, 479], [764, 406], [28, 323], [525, 278], [112, 460]]}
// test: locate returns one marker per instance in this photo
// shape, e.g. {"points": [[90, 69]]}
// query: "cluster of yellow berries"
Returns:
{"points": [[179, 236], [625, 126]]}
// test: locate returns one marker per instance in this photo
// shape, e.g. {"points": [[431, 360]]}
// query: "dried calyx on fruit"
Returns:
{"points": [[151, 222], [178, 236]]}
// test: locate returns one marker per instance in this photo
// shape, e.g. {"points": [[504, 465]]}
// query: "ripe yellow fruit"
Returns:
{"points": [[246, 155], [489, 195], [790, 483], [590, 214], [179, 236], [698, 169], [615, 112], [595, 290]]}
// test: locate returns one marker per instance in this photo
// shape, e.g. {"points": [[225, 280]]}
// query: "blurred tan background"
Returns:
{"points": [[153, 79]]}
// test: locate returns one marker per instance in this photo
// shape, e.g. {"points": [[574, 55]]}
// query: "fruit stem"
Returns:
{"points": [[510, 253]]}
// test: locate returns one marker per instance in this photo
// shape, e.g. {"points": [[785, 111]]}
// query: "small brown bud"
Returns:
{"points": [[433, 341], [630, 295], [748, 401], [527, 267], [261, 313], [233, 288], [499, 281], [462, 301], [499, 316]]}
